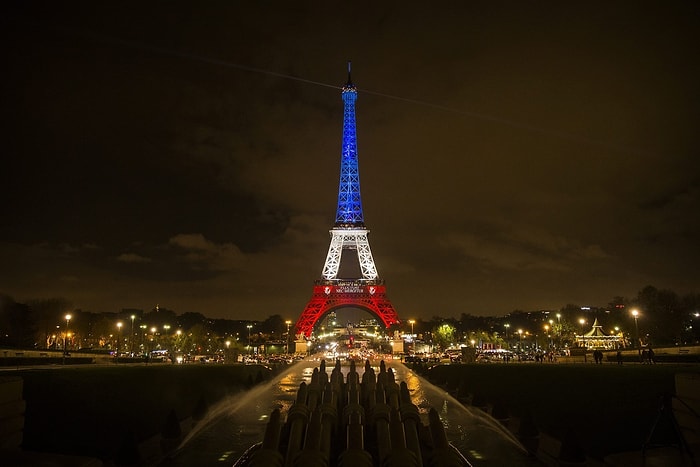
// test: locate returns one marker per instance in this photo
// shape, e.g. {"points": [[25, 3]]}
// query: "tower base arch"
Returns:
{"points": [[329, 295]]}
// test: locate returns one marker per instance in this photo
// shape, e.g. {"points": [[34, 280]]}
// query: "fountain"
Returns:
{"points": [[348, 419]]}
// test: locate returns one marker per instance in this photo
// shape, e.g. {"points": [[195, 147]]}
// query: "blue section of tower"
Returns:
{"points": [[349, 213]]}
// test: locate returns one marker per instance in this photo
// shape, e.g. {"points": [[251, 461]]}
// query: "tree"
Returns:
{"points": [[189, 319], [690, 306], [47, 314], [159, 316], [102, 329], [197, 339], [662, 318], [273, 324], [444, 335], [18, 329]]}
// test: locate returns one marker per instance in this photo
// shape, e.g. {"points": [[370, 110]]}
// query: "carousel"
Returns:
{"points": [[597, 339]]}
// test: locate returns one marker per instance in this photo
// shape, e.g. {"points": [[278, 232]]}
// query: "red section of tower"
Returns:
{"points": [[327, 298]]}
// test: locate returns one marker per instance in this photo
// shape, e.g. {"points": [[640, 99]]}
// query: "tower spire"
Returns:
{"points": [[349, 212]]}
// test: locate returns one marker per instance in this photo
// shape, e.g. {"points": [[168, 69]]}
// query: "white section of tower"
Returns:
{"points": [[350, 239]]}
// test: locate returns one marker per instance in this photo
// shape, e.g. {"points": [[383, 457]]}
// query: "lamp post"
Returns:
{"points": [[166, 332], [412, 322], [286, 348], [551, 337], [559, 329], [131, 337], [119, 338], [507, 326], [583, 340], [635, 313], [65, 336], [520, 340], [143, 331], [250, 326]]}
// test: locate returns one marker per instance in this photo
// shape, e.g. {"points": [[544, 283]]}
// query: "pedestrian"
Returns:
{"points": [[599, 356], [650, 355], [619, 357]]}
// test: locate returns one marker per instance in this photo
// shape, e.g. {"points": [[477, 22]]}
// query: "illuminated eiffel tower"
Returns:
{"points": [[343, 284]]}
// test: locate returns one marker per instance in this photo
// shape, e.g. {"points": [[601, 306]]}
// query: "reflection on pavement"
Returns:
{"points": [[236, 423]]}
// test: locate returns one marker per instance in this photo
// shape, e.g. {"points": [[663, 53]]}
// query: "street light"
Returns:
{"points": [[288, 323], [635, 313], [166, 331], [583, 339], [520, 340], [250, 326], [559, 329], [65, 335], [119, 338], [412, 322], [143, 331], [131, 337]]}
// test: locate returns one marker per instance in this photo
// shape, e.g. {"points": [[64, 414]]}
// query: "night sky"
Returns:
{"points": [[513, 155]]}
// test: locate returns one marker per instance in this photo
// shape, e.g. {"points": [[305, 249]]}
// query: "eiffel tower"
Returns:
{"points": [[349, 276]]}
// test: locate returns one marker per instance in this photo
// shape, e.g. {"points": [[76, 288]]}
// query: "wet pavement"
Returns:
{"points": [[238, 422]]}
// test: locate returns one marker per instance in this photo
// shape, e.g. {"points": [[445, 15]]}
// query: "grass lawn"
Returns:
{"points": [[89, 410], [608, 408]]}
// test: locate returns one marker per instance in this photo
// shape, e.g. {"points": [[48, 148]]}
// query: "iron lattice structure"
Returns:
{"points": [[349, 212], [349, 233], [352, 239]]}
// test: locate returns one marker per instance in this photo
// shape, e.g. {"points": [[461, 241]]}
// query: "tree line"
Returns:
{"points": [[664, 318]]}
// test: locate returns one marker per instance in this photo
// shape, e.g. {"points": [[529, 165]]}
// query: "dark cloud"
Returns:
{"points": [[511, 156]]}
